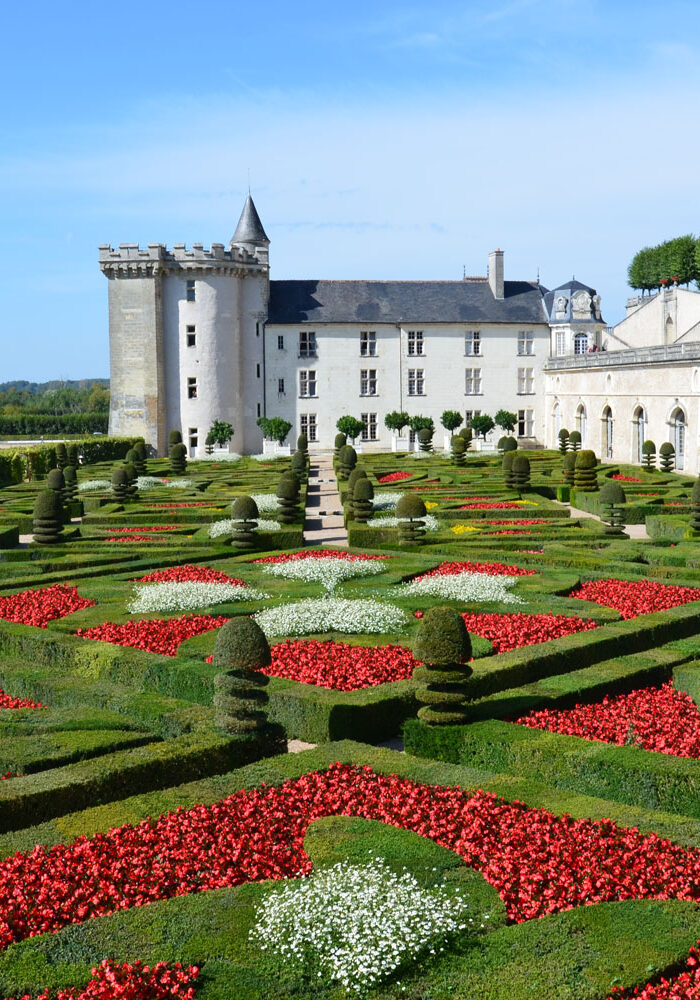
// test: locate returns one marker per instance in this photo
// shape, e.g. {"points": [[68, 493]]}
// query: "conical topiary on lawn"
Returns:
{"points": [[585, 478], [48, 518], [241, 652], [611, 498], [178, 459], [520, 471], [287, 500], [244, 513], [120, 484], [507, 468], [667, 457], [458, 450], [362, 496], [70, 488], [411, 510], [443, 645]]}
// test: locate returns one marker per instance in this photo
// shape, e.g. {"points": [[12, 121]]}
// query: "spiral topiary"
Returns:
{"points": [[70, 480], [55, 481], [444, 646], [611, 498], [507, 468], [695, 507], [411, 510], [649, 455], [575, 440], [61, 455], [131, 476], [140, 460], [563, 440], [73, 457], [287, 500], [340, 441], [356, 474], [466, 433], [174, 437], [120, 484], [299, 465], [48, 518], [241, 652], [130, 457], [303, 444], [667, 457], [568, 466], [520, 471], [425, 439], [585, 478], [178, 459], [347, 458], [362, 496], [244, 514], [458, 450]]}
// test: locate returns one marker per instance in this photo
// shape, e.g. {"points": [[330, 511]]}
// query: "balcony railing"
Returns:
{"points": [[634, 356]]}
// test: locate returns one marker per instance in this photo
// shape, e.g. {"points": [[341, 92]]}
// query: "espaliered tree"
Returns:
{"points": [[120, 484], [507, 468], [563, 440], [585, 478], [667, 457], [458, 450], [61, 455], [362, 496], [575, 440], [520, 471], [244, 514], [287, 499], [444, 647], [347, 459], [695, 510], [569, 466], [411, 510], [178, 459], [649, 455], [47, 518], [70, 489], [611, 499]]}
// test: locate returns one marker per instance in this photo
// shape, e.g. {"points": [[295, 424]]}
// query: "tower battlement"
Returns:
{"points": [[131, 258]]}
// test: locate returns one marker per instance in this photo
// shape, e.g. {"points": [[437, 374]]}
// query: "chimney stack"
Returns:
{"points": [[496, 273]]}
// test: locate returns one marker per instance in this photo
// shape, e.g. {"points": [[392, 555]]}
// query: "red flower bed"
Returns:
{"points": [[506, 531], [39, 607], [648, 494], [657, 718], [511, 631], [178, 506], [318, 554], [7, 776], [685, 986], [471, 499], [394, 477], [338, 665], [122, 539], [7, 701], [189, 574], [493, 505], [154, 634], [148, 530], [539, 863], [131, 981], [521, 521], [490, 569], [625, 479], [635, 597]]}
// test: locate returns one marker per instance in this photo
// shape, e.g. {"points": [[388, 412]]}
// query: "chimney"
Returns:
{"points": [[496, 273]]}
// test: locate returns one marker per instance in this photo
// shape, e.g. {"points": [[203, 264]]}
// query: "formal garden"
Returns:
{"points": [[458, 757]]}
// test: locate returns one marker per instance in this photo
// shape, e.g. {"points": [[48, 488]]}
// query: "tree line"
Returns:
{"points": [[676, 260]]}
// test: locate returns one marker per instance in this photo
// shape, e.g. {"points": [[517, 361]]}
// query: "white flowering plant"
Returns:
{"points": [[328, 572], [358, 924], [331, 614], [188, 596], [266, 503], [93, 485], [221, 528], [467, 587], [145, 483], [430, 522], [219, 456], [386, 500]]}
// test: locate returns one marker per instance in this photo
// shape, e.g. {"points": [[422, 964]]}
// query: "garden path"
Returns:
{"points": [[324, 522], [633, 530]]}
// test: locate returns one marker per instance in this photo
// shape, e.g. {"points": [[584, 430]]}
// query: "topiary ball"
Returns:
{"points": [[340, 441], [425, 435], [47, 507], [521, 465], [586, 459], [442, 638], [174, 437], [612, 493], [244, 509], [241, 645], [466, 433], [119, 476], [348, 455], [354, 476], [303, 443], [287, 490], [363, 490], [458, 445], [55, 480], [410, 506]]}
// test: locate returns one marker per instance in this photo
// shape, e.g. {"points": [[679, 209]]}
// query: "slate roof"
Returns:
{"points": [[250, 228], [468, 301], [569, 289]]}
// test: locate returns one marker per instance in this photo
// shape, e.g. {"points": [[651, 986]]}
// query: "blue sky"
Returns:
{"points": [[383, 140]]}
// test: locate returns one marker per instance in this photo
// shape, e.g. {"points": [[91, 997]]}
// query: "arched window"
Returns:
{"points": [[607, 448], [581, 423], [640, 432], [580, 343], [678, 421]]}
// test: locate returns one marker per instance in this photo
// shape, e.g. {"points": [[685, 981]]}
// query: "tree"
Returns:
{"points": [[451, 420], [274, 428], [506, 420], [221, 433], [396, 420], [482, 424], [444, 647], [350, 426], [98, 400], [419, 423]]}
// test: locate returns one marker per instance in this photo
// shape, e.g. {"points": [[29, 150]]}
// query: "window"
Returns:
{"points": [[526, 342], [581, 343], [307, 344], [526, 380], [280, 386], [368, 382], [257, 329], [368, 343], [369, 431], [560, 343], [191, 388], [525, 423], [190, 336], [472, 342], [472, 381], [190, 290], [415, 342], [258, 413], [193, 439], [307, 425], [257, 371], [307, 383], [280, 342], [416, 385], [469, 415]]}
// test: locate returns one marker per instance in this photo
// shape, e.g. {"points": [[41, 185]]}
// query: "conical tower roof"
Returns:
{"points": [[249, 231]]}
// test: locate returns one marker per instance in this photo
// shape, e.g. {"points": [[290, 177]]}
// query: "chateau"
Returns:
{"points": [[198, 335]]}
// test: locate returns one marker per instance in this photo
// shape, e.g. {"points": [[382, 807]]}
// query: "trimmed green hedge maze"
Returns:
{"points": [[107, 724]]}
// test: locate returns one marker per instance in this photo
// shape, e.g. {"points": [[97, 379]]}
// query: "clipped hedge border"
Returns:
{"points": [[625, 774]]}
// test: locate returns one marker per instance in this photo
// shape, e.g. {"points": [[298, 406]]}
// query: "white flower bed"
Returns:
{"points": [[430, 521], [145, 483], [331, 614], [90, 485], [471, 587], [328, 572], [358, 924], [225, 527], [266, 502], [386, 501], [219, 456], [189, 596]]}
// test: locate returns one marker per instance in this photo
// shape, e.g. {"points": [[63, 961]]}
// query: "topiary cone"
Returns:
{"points": [[458, 448], [61, 455], [362, 497], [667, 457], [120, 484], [411, 510], [520, 471], [48, 518], [244, 513], [507, 468], [611, 498], [444, 646], [70, 479], [585, 478], [178, 459], [287, 500], [241, 652]]}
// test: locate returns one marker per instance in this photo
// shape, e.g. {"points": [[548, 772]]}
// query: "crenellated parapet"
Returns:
{"points": [[132, 260]]}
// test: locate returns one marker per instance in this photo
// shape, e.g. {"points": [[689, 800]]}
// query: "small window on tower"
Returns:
{"points": [[280, 342], [280, 386], [190, 290], [191, 388], [191, 336], [257, 371]]}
